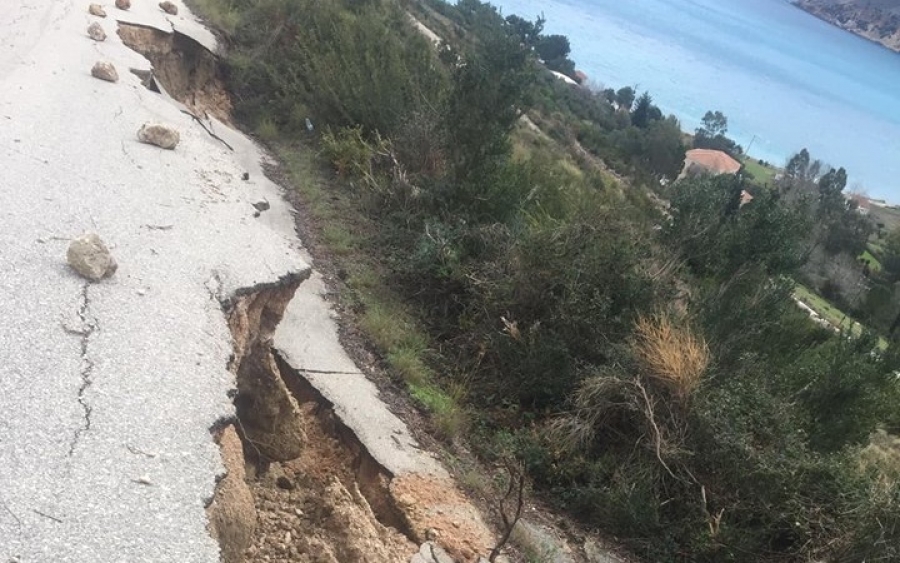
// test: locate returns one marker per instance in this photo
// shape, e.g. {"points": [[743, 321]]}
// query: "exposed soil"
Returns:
{"points": [[300, 486], [185, 69]]}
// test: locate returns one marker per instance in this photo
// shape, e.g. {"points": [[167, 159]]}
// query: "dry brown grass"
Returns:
{"points": [[882, 457], [671, 354]]}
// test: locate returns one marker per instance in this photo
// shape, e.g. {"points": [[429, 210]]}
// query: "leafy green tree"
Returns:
{"points": [[664, 147], [890, 259], [711, 135], [554, 51], [551, 47], [528, 32], [714, 124], [717, 236], [625, 97], [488, 94]]}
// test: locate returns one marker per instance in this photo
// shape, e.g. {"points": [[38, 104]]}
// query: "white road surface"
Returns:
{"points": [[108, 390]]}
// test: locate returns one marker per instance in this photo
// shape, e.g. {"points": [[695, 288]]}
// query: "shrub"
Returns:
{"points": [[672, 355]]}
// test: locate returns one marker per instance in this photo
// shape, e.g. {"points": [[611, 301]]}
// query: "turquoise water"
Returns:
{"points": [[785, 79]]}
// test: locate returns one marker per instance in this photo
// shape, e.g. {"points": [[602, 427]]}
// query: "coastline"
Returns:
{"points": [[836, 24]]}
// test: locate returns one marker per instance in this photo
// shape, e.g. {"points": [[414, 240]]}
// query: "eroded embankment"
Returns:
{"points": [[299, 484], [299, 487], [183, 67]]}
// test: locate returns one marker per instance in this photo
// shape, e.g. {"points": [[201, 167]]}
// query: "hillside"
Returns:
{"points": [[876, 20]]}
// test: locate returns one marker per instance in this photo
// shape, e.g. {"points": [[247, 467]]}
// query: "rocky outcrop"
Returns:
{"points": [[105, 71], [90, 257], [162, 136], [875, 20]]}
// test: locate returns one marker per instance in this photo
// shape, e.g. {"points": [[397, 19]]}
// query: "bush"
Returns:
{"points": [[346, 63]]}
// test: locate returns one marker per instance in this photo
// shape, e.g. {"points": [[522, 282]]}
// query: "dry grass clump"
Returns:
{"points": [[882, 457], [672, 354]]}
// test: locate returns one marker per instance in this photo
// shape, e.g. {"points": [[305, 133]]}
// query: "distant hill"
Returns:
{"points": [[877, 20]]}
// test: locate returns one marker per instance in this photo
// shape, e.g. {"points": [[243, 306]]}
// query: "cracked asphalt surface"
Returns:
{"points": [[108, 390]]}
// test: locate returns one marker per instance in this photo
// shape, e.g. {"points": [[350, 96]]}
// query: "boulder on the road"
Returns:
{"points": [[105, 71], [90, 257], [97, 10], [162, 136], [169, 8], [123, 4], [95, 32]]}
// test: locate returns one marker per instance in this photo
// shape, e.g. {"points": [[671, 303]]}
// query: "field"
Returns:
{"points": [[762, 175]]}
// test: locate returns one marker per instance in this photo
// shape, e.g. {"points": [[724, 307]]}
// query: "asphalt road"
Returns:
{"points": [[108, 390]]}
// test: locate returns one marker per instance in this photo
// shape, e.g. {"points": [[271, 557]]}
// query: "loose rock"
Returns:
{"points": [[90, 257], [284, 483], [105, 71], [162, 136], [95, 32], [97, 10], [123, 4], [169, 8]]}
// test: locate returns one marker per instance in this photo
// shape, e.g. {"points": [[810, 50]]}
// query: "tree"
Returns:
{"points": [[797, 167], [664, 147], [712, 134], [554, 51], [891, 258], [529, 33], [551, 47], [714, 125], [488, 94], [645, 112], [625, 97]]}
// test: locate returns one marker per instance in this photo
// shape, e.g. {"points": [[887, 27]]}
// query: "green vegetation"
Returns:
{"points": [[761, 173], [648, 367], [826, 310]]}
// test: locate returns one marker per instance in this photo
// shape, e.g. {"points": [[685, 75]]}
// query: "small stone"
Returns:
{"points": [[123, 4], [95, 32], [246, 176], [162, 136], [144, 480], [287, 538], [284, 483], [298, 512], [262, 205], [169, 8], [90, 257], [105, 71], [97, 10], [431, 534]]}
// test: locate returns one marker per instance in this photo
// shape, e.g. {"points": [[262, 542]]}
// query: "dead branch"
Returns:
{"points": [[515, 488]]}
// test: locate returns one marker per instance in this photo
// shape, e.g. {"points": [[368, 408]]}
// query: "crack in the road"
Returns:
{"points": [[88, 326]]}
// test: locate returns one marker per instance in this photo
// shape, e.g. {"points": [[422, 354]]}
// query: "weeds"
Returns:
{"points": [[672, 355]]}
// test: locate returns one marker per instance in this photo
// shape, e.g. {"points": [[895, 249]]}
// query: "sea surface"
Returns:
{"points": [[785, 79]]}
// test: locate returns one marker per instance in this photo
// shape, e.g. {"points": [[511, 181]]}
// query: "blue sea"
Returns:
{"points": [[785, 79]]}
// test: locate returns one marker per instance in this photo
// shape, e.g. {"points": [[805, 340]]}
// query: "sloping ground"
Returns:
{"points": [[875, 20], [114, 395]]}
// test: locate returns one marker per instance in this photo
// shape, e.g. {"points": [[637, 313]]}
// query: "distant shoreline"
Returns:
{"points": [[799, 6]]}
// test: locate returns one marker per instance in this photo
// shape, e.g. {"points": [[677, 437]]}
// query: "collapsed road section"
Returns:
{"points": [[153, 412]]}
